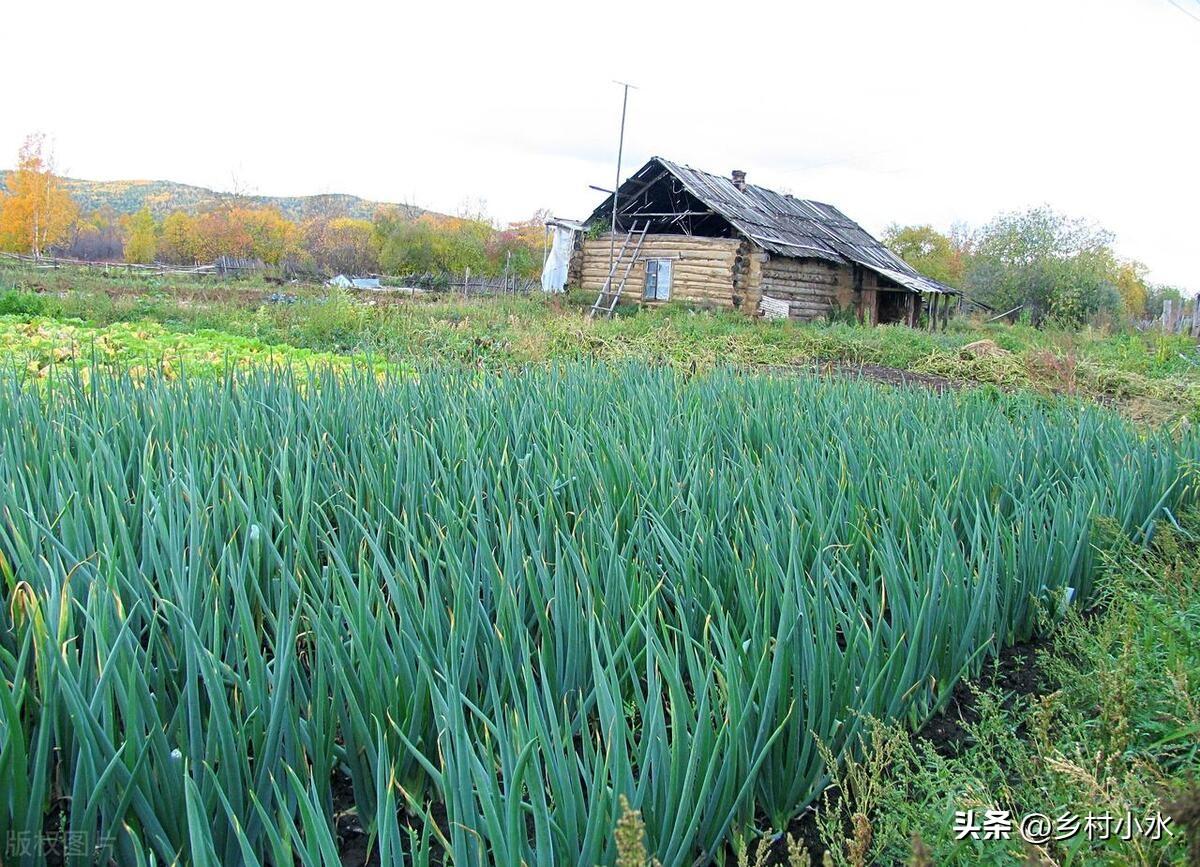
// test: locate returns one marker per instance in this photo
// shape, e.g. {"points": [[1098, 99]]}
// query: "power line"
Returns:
{"points": [[1188, 12]]}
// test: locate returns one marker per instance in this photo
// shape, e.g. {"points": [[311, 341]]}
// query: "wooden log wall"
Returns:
{"points": [[747, 276], [811, 286], [702, 269], [575, 265]]}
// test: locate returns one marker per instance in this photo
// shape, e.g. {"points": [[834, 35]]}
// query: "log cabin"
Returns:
{"points": [[683, 235]]}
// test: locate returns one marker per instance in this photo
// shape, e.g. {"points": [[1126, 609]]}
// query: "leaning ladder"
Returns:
{"points": [[607, 300]]}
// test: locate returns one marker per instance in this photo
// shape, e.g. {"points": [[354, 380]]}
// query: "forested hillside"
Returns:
{"points": [[163, 197], [168, 223]]}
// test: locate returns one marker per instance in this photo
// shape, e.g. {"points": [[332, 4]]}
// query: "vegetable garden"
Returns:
{"points": [[490, 607]]}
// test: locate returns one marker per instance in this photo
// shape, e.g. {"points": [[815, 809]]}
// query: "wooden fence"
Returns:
{"points": [[1180, 318], [465, 283], [55, 262]]}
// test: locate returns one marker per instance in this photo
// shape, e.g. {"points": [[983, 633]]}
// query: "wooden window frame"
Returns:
{"points": [[656, 266]]}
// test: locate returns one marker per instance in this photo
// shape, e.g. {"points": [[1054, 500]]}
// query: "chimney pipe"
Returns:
{"points": [[739, 179]]}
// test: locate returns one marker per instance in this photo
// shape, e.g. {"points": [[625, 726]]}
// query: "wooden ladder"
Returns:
{"points": [[607, 300]]}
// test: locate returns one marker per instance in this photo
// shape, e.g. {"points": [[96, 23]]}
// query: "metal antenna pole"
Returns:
{"points": [[612, 237]]}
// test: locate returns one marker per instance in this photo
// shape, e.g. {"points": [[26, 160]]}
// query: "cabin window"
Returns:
{"points": [[658, 279]]}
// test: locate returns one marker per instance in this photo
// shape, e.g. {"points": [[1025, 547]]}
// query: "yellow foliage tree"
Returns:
{"points": [[272, 236], [142, 245], [531, 233], [178, 242], [238, 232], [341, 245], [1131, 283], [37, 212]]}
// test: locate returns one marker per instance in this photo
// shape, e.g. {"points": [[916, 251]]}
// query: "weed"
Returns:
{"points": [[1115, 732], [630, 838]]}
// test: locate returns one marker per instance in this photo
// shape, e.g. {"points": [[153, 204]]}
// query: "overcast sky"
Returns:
{"points": [[915, 112]]}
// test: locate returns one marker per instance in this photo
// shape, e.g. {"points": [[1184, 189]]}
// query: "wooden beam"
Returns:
{"points": [[676, 214], [647, 184]]}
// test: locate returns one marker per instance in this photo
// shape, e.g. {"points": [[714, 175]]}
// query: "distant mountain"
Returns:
{"points": [[162, 197]]}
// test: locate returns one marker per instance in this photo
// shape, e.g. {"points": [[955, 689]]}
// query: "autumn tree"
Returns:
{"points": [[433, 243], [520, 245], [142, 243], [177, 243], [1131, 283], [37, 212], [929, 251], [272, 236], [219, 233], [342, 245]]}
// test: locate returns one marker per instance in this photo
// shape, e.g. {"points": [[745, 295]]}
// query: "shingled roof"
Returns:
{"points": [[779, 223]]}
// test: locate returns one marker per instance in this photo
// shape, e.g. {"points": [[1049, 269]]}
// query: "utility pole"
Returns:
{"points": [[612, 237]]}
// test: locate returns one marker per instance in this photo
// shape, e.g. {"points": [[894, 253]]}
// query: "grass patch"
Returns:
{"points": [[1149, 375]]}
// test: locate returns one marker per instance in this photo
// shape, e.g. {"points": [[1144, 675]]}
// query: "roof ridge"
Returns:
{"points": [[709, 174]]}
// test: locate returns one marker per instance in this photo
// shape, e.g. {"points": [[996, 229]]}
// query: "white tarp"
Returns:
{"points": [[554, 272], [344, 282]]}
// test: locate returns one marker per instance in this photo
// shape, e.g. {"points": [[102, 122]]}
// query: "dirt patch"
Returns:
{"points": [[216, 295], [1150, 410], [352, 839], [1015, 673], [892, 375], [875, 373]]}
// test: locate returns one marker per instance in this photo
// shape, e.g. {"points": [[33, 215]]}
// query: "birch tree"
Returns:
{"points": [[37, 212]]}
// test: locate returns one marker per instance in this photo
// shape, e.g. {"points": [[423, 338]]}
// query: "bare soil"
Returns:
{"points": [[1015, 673], [874, 372]]}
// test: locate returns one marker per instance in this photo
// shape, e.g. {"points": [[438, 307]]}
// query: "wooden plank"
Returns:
{"points": [[677, 267], [712, 246], [774, 308], [797, 294]]}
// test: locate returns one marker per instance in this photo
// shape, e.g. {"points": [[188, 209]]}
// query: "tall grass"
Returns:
{"points": [[499, 604]]}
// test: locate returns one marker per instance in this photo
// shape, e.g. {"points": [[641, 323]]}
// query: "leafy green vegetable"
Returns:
{"points": [[141, 347]]}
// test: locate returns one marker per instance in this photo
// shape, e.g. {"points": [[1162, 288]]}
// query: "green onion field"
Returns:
{"points": [[479, 611]]}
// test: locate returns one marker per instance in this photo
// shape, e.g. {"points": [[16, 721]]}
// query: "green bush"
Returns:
{"points": [[14, 302]]}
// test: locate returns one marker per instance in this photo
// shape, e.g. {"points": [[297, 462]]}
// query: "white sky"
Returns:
{"points": [[935, 111]]}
